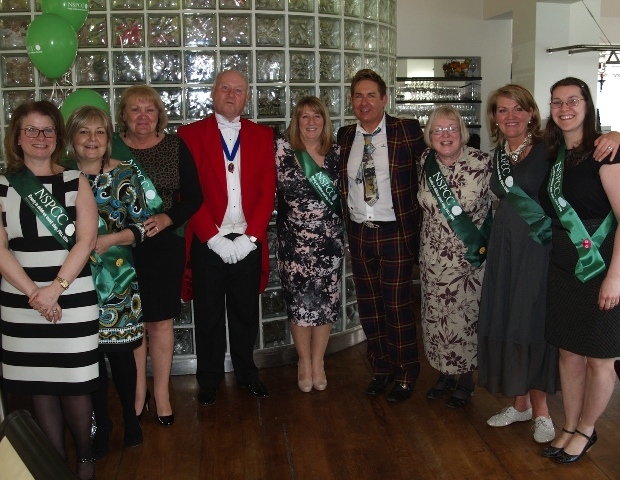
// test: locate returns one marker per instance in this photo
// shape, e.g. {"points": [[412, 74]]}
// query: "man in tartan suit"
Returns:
{"points": [[383, 231]]}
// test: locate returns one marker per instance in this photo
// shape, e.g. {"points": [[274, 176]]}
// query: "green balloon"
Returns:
{"points": [[74, 11], [81, 98], [52, 44]]}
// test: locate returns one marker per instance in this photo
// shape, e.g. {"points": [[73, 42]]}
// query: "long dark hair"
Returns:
{"points": [[553, 134]]}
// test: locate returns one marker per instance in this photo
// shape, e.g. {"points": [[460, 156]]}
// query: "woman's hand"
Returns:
{"points": [[609, 294], [606, 145], [104, 242], [156, 224], [45, 301]]}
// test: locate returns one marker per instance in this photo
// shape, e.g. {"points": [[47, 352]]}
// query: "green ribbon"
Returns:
{"points": [[123, 153], [590, 262], [526, 207], [320, 182], [112, 271], [475, 239], [47, 209]]}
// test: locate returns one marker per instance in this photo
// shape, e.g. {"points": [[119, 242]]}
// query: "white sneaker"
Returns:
{"points": [[509, 415], [543, 429]]}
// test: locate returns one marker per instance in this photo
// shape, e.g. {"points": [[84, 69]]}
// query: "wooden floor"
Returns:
{"points": [[342, 434]]}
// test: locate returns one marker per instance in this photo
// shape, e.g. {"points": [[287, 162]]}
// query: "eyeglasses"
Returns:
{"points": [[32, 132], [450, 130], [571, 102]]}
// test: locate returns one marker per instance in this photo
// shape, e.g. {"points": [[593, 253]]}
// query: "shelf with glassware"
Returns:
{"points": [[417, 96]]}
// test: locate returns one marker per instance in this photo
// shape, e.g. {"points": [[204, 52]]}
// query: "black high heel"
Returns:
{"points": [[564, 457], [147, 399], [551, 451], [165, 420], [101, 440], [88, 460]]}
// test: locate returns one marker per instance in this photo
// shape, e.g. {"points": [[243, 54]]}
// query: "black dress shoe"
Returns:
{"points": [[257, 389], [400, 392], [166, 420], [206, 396], [133, 433], [447, 384], [564, 457], [378, 385], [550, 451], [460, 398]]}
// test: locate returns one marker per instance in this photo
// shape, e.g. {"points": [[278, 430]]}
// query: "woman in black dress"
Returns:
{"points": [[583, 288], [310, 245]]}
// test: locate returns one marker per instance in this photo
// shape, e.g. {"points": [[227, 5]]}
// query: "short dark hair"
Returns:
{"points": [[368, 74], [14, 151]]}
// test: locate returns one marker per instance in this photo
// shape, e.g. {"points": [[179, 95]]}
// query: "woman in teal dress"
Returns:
{"points": [[122, 209]]}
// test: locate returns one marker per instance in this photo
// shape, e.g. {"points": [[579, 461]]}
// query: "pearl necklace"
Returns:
{"points": [[515, 156]]}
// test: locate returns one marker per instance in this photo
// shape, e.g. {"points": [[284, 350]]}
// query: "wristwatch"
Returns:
{"points": [[252, 239], [63, 283]]}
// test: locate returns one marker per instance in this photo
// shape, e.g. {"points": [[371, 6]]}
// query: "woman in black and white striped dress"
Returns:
{"points": [[49, 313]]}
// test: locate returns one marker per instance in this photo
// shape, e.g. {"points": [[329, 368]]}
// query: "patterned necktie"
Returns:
{"points": [[366, 172]]}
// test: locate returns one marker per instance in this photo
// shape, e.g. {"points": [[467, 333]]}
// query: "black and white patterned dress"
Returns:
{"points": [[39, 357], [310, 244]]}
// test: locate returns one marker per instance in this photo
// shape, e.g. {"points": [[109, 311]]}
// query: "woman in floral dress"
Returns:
{"points": [[310, 245], [451, 271]]}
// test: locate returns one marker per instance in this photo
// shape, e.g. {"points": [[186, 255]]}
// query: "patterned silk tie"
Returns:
{"points": [[366, 172]]}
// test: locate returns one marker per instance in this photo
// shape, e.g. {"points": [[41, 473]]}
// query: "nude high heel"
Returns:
{"points": [[305, 385]]}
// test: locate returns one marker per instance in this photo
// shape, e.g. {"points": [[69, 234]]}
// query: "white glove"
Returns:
{"points": [[224, 247], [244, 246]]}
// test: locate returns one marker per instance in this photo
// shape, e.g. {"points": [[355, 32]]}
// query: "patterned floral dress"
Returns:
{"points": [[451, 286], [310, 243], [121, 204]]}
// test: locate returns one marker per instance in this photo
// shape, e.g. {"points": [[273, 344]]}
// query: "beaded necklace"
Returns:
{"points": [[515, 156]]}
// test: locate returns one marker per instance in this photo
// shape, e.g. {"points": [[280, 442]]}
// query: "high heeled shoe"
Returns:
{"points": [[564, 457], [164, 420], [551, 451], [101, 440], [88, 460], [304, 385], [320, 381], [147, 400]]}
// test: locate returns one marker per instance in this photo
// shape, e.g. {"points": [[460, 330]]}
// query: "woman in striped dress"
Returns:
{"points": [[49, 313]]}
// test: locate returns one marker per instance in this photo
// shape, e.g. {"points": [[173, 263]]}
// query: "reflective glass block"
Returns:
{"points": [[235, 29], [164, 31], [185, 317], [274, 277], [271, 240], [329, 67], [392, 7], [270, 30], [273, 303], [199, 67], [129, 67], [92, 68], [338, 325], [173, 102], [371, 37], [183, 341], [240, 60], [301, 66], [200, 30], [13, 99], [15, 6], [278, 129], [96, 5], [353, 317], [17, 71], [165, 67], [393, 42], [197, 4], [371, 61], [383, 68], [127, 4], [270, 66], [353, 38], [297, 93], [348, 109], [271, 102], [163, 4], [347, 259], [353, 8], [94, 32], [352, 63], [336, 125], [384, 11], [65, 80], [13, 31], [275, 333], [198, 103], [384, 39], [301, 5], [371, 9], [55, 96], [241, 4], [269, 4], [301, 31], [350, 289], [329, 33], [331, 97], [128, 30], [330, 6]]}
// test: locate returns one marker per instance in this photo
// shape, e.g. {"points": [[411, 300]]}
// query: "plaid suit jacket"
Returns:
{"points": [[405, 146]]}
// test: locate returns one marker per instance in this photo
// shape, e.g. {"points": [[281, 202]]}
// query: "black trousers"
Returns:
{"points": [[225, 291]]}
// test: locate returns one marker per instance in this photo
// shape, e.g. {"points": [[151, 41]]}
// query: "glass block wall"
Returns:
{"points": [[287, 48]]}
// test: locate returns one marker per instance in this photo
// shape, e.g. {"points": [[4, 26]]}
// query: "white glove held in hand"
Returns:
{"points": [[224, 247], [243, 246]]}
